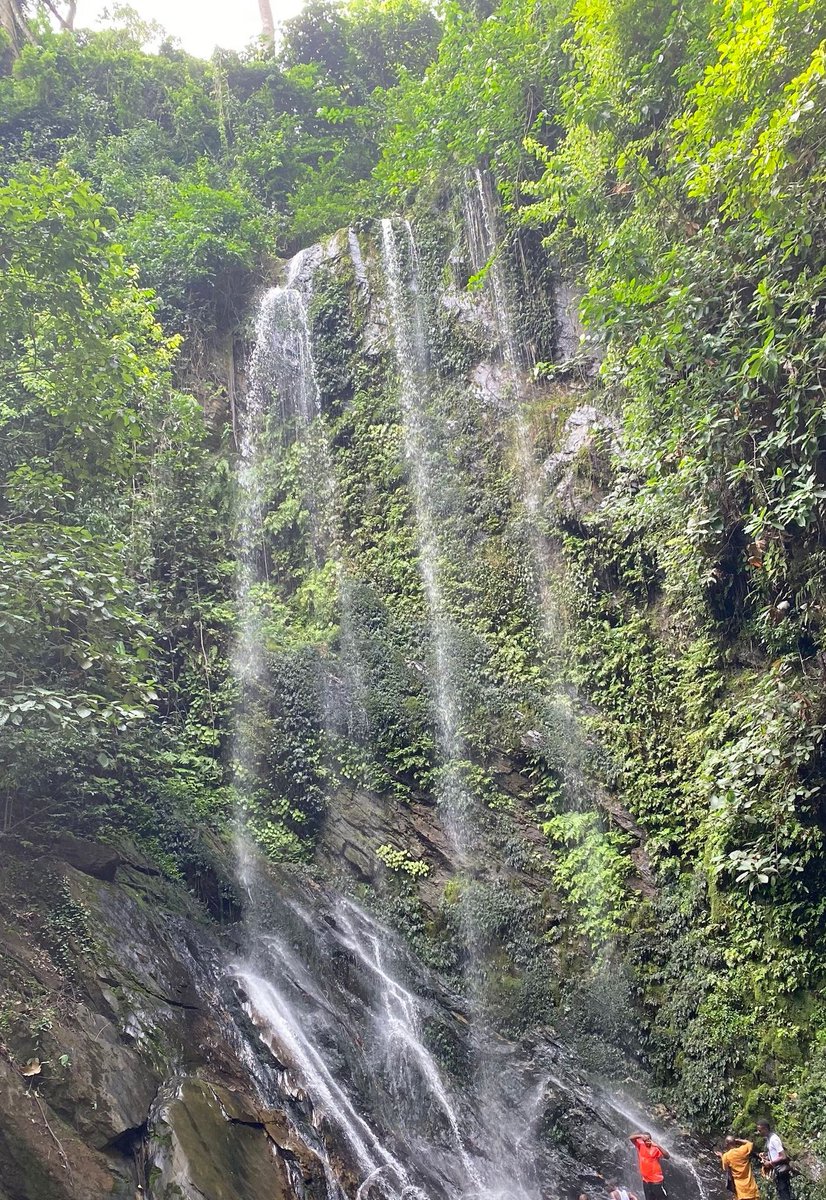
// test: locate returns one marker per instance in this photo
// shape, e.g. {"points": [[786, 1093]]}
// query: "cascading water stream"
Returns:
{"points": [[282, 373], [455, 802], [326, 990], [282, 1026], [398, 1025], [281, 367], [251, 566], [328, 987], [284, 404], [407, 325]]}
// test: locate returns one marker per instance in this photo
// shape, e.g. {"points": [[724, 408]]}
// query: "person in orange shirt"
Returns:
{"points": [[649, 1155], [737, 1159]]}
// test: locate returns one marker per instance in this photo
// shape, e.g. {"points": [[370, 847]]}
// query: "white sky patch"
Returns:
{"points": [[199, 25]]}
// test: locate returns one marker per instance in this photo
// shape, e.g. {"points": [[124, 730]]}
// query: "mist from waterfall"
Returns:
{"points": [[485, 246]]}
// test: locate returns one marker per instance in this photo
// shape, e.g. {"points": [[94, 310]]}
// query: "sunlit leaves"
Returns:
{"points": [[82, 356]]}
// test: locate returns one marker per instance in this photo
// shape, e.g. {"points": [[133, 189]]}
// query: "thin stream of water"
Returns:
{"points": [[456, 805], [484, 240], [399, 1025], [407, 326]]}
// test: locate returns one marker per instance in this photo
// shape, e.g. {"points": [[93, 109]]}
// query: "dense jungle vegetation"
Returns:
{"points": [[669, 156]]}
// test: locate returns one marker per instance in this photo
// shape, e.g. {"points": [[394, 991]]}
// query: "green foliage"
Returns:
{"points": [[401, 860], [198, 246], [83, 357], [682, 185], [66, 931], [762, 786], [491, 85], [96, 444], [213, 167], [591, 873]]}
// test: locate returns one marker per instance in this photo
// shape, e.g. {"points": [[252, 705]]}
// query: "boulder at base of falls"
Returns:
{"points": [[208, 1142]]}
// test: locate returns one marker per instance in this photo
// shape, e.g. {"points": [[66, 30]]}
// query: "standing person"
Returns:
{"points": [[618, 1192], [649, 1155], [737, 1159], [776, 1164]]}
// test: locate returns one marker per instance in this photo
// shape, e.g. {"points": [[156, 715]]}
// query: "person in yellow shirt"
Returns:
{"points": [[737, 1159]]}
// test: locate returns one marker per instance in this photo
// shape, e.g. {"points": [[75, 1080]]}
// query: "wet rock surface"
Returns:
{"points": [[205, 1140], [571, 473], [127, 1065], [308, 1055]]}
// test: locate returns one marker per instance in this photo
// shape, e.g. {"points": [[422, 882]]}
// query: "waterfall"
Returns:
{"points": [[281, 368], [251, 564], [398, 1085], [284, 998], [411, 354], [418, 1141], [410, 345], [399, 1029], [325, 986], [283, 407], [455, 802]]}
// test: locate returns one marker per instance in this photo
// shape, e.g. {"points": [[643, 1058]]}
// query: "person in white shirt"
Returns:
{"points": [[776, 1161], [617, 1192]]}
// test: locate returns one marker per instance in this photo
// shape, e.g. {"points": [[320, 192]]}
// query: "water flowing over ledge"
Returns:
{"points": [[408, 1089]]}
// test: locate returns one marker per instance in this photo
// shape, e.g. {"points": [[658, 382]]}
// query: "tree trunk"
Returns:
{"points": [[267, 23], [13, 21]]}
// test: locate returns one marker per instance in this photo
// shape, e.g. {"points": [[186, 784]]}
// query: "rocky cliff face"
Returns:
{"points": [[144, 1059], [131, 1068]]}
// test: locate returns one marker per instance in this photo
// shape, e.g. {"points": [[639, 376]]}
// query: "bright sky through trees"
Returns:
{"points": [[200, 25]]}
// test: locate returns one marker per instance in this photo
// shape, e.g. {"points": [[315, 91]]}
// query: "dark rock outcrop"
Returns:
{"points": [[128, 1067]]}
